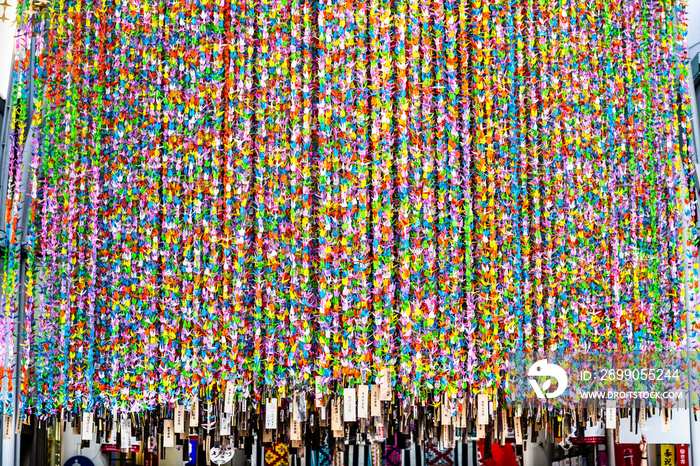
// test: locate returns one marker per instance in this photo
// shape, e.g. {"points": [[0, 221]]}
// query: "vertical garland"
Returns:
{"points": [[596, 168], [666, 240], [105, 267], [227, 118], [577, 136], [655, 138], [150, 205], [417, 365], [444, 319], [500, 226], [521, 196], [428, 280], [280, 193], [362, 167], [261, 316], [200, 181], [644, 189], [454, 197], [505, 236], [561, 295], [13, 230], [482, 267], [297, 321], [71, 169], [682, 164], [78, 311], [547, 95], [534, 303], [46, 327], [325, 161], [29, 347], [381, 144], [338, 145], [192, 208], [218, 316], [346, 124], [616, 142], [95, 148], [688, 204], [403, 225], [242, 198], [173, 206], [468, 88], [308, 298], [633, 246]]}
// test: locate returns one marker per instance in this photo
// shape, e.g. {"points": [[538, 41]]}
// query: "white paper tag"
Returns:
{"points": [[319, 398], [482, 413], [299, 407], [350, 405], [385, 386], [179, 423], [481, 431], [271, 414], [445, 418], [375, 405], [194, 415], [225, 427], [642, 414], [518, 431], [86, 426], [228, 397], [113, 432], [336, 422], [611, 414], [7, 427], [665, 420], [362, 402], [207, 449], [294, 430], [126, 433], [168, 433], [294, 413], [445, 435]]}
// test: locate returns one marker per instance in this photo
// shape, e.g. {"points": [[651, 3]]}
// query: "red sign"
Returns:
{"points": [[110, 447], [589, 440], [627, 454], [682, 455]]}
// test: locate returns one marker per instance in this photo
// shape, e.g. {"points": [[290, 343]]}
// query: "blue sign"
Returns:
{"points": [[193, 454], [79, 461]]}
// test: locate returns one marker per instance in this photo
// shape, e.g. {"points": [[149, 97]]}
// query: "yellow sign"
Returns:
{"points": [[668, 455]]}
